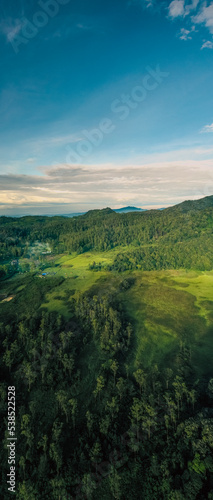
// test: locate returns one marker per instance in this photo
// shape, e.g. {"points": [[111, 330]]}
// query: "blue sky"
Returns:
{"points": [[105, 104]]}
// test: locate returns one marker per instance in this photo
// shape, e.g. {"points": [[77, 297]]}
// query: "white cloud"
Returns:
{"points": [[185, 34], [179, 8], [207, 129], [192, 6], [160, 182], [207, 45], [176, 8], [205, 16]]}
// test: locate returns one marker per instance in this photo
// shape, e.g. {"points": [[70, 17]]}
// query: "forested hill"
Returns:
{"points": [[180, 236], [190, 205]]}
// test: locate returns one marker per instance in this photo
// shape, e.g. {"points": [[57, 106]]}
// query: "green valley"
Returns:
{"points": [[106, 325]]}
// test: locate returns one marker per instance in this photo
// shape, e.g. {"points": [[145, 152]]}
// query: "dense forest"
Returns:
{"points": [[179, 236], [90, 422], [86, 427]]}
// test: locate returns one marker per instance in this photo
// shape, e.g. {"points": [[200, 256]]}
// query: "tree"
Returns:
{"points": [[43, 365], [113, 406], [68, 363], [90, 421], [171, 408], [168, 376], [88, 485], [114, 482], [140, 378], [73, 404], [10, 354], [22, 464], [148, 419], [166, 418], [43, 444], [155, 374], [104, 425], [197, 465], [26, 491], [136, 414], [210, 388], [59, 491], [29, 374], [63, 402], [99, 387], [8, 359], [114, 367], [180, 390], [27, 432], [192, 397], [95, 453], [22, 332], [120, 386], [129, 332], [55, 450]]}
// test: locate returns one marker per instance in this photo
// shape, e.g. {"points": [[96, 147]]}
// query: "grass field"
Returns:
{"points": [[70, 265], [78, 277], [169, 307], [165, 307]]}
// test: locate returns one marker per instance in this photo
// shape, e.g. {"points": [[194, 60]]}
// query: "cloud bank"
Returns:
{"points": [[67, 188]]}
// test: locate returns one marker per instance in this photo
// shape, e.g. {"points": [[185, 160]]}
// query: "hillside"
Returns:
{"points": [[106, 328], [172, 238], [189, 205]]}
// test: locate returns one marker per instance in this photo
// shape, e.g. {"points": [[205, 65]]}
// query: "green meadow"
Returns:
{"points": [[167, 308]]}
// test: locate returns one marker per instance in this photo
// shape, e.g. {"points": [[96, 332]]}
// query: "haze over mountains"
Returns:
{"points": [[123, 210], [184, 206]]}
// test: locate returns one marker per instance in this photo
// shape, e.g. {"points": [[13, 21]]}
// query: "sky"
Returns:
{"points": [[104, 104]]}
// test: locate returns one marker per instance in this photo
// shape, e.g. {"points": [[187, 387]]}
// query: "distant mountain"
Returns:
{"points": [[71, 215], [185, 206], [125, 210], [122, 210], [99, 212], [108, 210]]}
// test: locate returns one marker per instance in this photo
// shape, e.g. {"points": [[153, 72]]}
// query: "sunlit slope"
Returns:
{"points": [[170, 309]]}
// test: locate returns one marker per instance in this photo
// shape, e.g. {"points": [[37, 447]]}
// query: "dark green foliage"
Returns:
{"points": [[86, 427], [92, 423]]}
